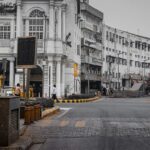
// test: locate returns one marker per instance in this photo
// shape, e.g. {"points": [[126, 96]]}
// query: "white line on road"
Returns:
{"points": [[66, 110]]}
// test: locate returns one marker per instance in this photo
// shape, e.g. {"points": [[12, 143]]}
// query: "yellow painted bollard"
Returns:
{"points": [[32, 114], [36, 112], [27, 115]]}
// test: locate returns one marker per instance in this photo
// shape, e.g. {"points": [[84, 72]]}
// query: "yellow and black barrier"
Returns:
{"points": [[77, 100]]}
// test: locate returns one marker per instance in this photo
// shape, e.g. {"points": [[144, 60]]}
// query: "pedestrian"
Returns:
{"points": [[18, 90], [104, 91], [54, 96]]}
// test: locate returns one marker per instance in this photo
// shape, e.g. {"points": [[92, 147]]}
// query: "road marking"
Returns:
{"points": [[66, 110], [80, 124], [64, 123]]}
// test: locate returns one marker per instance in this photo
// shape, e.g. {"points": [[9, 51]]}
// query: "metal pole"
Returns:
{"points": [[28, 83], [144, 77], [88, 74], [74, 85], [24, 82], [118, 71], [109, 74]]}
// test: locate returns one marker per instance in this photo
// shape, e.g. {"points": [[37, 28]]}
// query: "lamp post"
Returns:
{"points": [[118, 67]]}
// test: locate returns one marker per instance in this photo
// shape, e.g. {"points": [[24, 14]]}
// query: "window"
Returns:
{"points": [[120, 39], [78, 49], [148, 47], [131, 62], [95, 28], [5, 31], [107, 35], [36, 24]]}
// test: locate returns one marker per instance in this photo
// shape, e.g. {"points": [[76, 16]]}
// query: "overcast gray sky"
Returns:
{"points": [[129, 15]]}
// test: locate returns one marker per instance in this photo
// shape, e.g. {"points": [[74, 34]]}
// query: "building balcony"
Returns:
{"points": [[5, 42], [91, 60], [40, 43], [86, 25], [91, 43], [91, 77], [91, 10]]}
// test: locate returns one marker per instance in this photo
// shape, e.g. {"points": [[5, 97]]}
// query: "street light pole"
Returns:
{"points": [[88, 72], [118, 69]]}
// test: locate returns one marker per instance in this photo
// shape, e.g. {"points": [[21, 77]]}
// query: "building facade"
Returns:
{"points": [[91, 48], [126, 58], [56, 27]]}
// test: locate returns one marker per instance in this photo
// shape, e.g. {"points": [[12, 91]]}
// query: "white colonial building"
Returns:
{"points": [[126, 58], [55, 23]]}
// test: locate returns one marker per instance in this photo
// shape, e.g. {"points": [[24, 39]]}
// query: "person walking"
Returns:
{"points": [[54, 96], [18, 90]]}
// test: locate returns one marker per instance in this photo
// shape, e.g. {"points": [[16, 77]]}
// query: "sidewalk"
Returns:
{"points": [[24, 142]]}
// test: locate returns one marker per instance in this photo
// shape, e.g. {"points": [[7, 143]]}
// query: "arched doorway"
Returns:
{"points": [[36, 77]]}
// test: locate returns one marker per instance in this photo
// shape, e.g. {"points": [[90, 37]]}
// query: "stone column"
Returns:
{"points": [[58, 78], [11, 73], [64, 24], [63, 79], [50, 78], [12, 35], [51, 20], [27, 27], [59, 23], [19, 20]]}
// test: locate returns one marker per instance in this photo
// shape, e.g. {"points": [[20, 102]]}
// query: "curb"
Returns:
{"points": [[23, 143], [51, 111], [78, 100]]}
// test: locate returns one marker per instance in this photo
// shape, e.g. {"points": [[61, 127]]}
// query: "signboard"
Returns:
{"points": [[75, 68], [8, 6], [26, 52]]}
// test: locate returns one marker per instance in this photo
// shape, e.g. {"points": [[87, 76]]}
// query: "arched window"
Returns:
{"points": [[36, 24]]}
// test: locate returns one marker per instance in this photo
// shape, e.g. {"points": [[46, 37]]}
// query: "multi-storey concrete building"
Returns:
{"points": [[126, 58], [92, 46], [56, 26]]}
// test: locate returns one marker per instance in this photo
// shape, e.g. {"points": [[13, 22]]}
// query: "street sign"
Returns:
{"points": [[76, 72]]}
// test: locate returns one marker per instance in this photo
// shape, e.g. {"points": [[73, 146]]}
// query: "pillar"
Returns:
{"points": [[51, 20], [12, 35], [19, 20], [11, 73], [50, 78], [63, 79], [58, 78], [27, 27], [59, 23], [64, 25]]}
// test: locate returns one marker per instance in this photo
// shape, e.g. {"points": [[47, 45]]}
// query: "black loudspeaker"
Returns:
{"points": [[123, 82], [26, 52]]}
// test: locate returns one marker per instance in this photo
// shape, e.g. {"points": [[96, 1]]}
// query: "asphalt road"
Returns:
{"points": [[109, 124]]}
